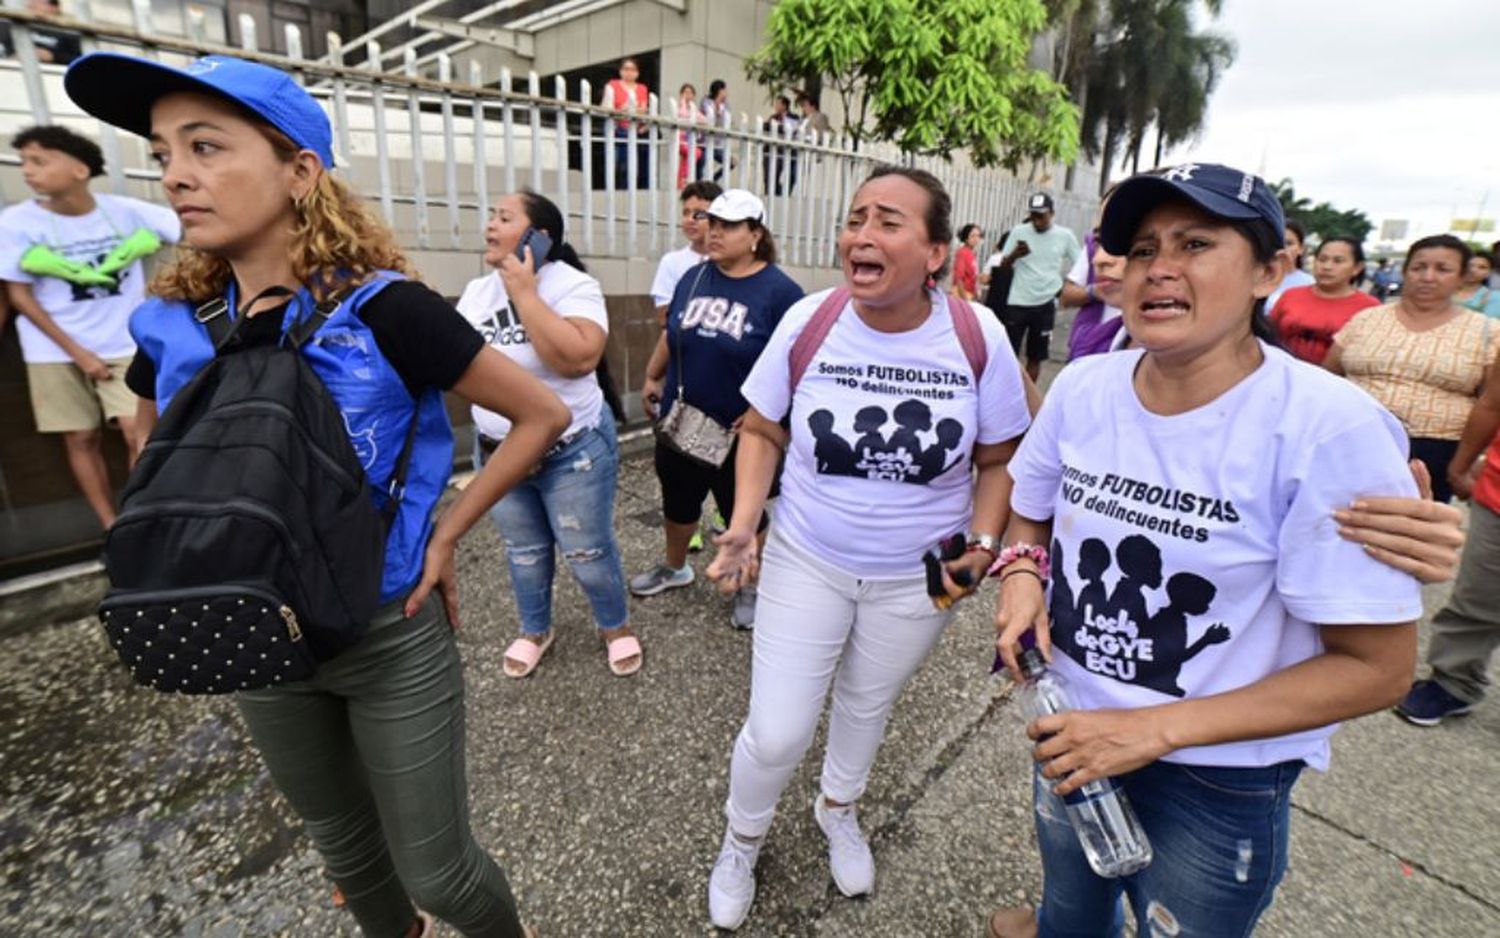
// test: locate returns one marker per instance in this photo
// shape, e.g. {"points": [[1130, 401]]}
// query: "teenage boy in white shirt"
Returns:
{"points": [[72, 265], [696, 197]]}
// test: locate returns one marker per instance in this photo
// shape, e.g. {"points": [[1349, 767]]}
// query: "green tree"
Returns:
{"points": [[1321, 220], [1137, 65], [932, 76]]}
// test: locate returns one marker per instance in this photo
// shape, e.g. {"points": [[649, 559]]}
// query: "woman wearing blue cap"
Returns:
{"points": [[1228, 626], [370, 749]]}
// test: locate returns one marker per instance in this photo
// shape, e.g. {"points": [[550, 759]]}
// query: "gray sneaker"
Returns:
{"points": [[742, 613], [661, 578]]}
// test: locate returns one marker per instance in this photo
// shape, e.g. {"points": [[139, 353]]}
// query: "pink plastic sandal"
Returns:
{"points": [[622, 648], [527, 654]]}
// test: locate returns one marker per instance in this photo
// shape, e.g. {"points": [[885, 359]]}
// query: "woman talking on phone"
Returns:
{"points": [[540, 308]]}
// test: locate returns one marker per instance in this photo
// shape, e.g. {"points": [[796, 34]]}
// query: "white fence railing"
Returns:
{"points": [[435, 152]]}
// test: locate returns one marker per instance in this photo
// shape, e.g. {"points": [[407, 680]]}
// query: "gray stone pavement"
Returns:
{"points": [[127, 813]]}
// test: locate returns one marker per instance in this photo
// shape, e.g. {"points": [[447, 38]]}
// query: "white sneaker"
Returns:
{"points": [[848, 855], [731, 885]]}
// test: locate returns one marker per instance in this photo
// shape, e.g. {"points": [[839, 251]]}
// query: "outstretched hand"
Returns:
{"points": [[737, 563]]}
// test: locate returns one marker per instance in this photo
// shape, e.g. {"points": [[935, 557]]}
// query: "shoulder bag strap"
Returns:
{"points": [[970, 336], [692, 292], [812, 336]]}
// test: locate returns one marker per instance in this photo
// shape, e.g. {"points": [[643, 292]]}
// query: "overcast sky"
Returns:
{"points": [[1380, 105]]}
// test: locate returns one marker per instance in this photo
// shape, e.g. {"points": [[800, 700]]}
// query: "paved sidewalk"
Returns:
{"points": [[127, 813]]}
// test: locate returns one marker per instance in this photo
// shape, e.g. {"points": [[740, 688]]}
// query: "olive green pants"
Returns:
{"points": [[370, 753]]}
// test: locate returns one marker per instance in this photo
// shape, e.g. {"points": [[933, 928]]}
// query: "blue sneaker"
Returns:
{"points": [[1426, 704]]}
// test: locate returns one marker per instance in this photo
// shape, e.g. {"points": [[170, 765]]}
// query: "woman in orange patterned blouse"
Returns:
{"points": [[1424, 357]]}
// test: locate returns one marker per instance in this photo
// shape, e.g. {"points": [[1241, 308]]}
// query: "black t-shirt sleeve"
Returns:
{"points": [[140, 377], [427, 341]]}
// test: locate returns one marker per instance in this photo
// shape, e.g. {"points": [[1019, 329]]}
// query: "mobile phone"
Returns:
{"points": [[540, 244]]}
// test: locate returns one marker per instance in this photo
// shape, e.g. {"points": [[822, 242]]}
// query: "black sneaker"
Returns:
{"points": [[1426, 704]]}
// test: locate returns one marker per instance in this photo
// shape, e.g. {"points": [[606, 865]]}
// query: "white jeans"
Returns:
{"points": [[812, 622]]}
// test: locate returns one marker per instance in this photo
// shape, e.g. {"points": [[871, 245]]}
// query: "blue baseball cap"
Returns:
{"points": [[121, 89], [1221, 191]]}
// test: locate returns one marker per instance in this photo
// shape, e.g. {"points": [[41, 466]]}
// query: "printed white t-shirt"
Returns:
{"points": [[669, 270], [97, 318], [570, 293], [882, 429], [1197, 553]]}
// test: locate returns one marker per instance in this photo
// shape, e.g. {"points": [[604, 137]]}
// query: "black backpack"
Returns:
{"points": [[248, 547]]}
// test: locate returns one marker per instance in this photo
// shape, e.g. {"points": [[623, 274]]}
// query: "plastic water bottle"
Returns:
{"points": [[1112, 838]]}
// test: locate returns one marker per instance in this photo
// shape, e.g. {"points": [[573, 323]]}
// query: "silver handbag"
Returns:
{"points": [[687, 429]]}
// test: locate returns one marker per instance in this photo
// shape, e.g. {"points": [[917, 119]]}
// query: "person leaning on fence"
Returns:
{"points": [[628, 93], [369, 751], [722, 314], [71, 260], [897, 407], [715, 109], [547, 314]]}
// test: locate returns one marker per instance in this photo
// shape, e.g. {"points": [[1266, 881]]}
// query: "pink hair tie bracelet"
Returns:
{"points": [[1013, 552]]}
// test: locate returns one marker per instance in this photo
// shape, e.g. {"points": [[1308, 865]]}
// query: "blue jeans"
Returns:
{"points": [[567, 504], [1219, 844]]}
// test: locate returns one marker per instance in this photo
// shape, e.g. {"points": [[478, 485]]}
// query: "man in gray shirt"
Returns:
{"points": [[1040, 253]]}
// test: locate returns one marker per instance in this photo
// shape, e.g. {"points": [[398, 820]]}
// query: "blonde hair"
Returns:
{"points": [[336, 242]]}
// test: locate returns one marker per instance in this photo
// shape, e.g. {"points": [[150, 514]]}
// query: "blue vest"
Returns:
{"points": [[376, 405]]}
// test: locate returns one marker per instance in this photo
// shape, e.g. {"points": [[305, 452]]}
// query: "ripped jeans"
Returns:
{"points": [[1219, 845], [568, 504]]}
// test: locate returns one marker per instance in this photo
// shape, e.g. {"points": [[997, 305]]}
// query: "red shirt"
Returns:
{"points": [[1487, 489], [966, 271], [1307, 320]]}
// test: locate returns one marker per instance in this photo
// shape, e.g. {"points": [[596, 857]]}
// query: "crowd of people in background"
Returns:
{"points": [[798, 413]]}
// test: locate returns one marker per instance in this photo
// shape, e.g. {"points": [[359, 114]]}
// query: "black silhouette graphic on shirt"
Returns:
{"points": [[503, 327], [831, 452], [899, 457], [1116, 635], [1140, 562]]}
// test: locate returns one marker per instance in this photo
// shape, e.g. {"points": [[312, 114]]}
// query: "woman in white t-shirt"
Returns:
{"points": [[895, 395], [547, 314], [1211, 621]]}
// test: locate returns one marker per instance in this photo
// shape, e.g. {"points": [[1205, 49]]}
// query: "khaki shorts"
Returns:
{"points": [[64, 399]]}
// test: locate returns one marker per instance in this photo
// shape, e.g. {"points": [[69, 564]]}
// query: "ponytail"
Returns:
{"points": [[544, 215]]}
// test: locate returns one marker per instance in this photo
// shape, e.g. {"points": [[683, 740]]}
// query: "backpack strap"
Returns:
{"points": [[395, 490], [302, 332], [214, 317], [970, 336], [811, 338], [965, 324]]}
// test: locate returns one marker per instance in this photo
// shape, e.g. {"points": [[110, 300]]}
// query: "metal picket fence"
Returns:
{"points": [[433, 148]]}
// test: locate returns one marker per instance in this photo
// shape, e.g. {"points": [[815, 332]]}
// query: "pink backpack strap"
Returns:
{"points": [[817, 329], [970, 336]]}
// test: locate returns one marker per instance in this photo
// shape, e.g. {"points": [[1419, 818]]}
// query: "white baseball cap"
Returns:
{"points": [[738, 205]]}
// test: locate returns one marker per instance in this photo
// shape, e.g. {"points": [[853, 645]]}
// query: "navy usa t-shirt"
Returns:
{"points": [[717, 327]]}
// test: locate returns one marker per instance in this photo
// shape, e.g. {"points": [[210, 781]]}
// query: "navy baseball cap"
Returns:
{"points": [[121, 89], [1221, 191]]}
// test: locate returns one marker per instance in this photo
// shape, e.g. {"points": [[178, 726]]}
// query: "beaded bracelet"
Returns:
{"points": [[1013, 552]]}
